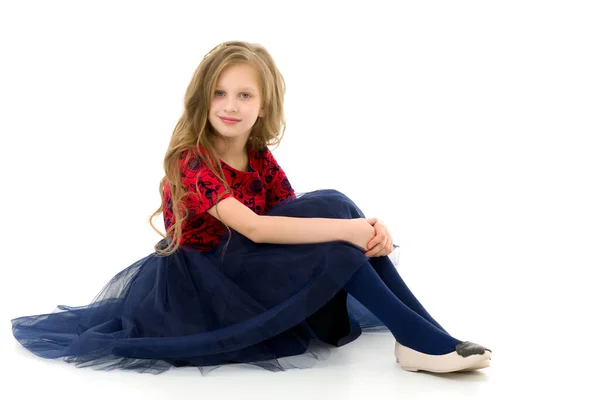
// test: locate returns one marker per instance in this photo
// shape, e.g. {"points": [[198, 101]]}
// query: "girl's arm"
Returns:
{"points": [[290, 230]]}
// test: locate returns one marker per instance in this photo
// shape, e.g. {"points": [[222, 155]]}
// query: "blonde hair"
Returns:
{"points": [[193, 130]]}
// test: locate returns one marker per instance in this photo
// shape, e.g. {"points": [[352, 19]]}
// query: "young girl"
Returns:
{"points": [[248, 272]]}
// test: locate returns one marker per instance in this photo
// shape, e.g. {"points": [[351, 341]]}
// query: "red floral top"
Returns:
{"points": [[264, 185]]}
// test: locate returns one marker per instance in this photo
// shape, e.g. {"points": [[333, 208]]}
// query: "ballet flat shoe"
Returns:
{"points": [[468, 356], [480, 365]]}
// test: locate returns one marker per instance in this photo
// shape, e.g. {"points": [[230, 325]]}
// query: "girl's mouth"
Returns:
{"points": [[229, 121]]}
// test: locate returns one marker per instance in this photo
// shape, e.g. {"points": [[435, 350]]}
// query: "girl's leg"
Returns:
{"points": [[409, 328], [389, 275]]}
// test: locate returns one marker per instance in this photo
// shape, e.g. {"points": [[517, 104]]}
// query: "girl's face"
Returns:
{"points": [[236, 103]]}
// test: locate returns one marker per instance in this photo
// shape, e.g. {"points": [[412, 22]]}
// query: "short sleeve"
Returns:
{"points": [[278, 187], [202, 185]]}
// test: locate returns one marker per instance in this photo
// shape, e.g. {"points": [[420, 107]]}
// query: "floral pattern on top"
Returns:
{"points": [[260, 188]]}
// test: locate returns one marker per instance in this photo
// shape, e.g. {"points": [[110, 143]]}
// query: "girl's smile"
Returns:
{"points": [[229, 121]]}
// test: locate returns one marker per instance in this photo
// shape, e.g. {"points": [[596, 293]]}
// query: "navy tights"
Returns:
{"points": [[378, 286]]}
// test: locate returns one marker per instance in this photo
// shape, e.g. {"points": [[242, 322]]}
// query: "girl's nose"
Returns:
{"points": [[230, 106]]}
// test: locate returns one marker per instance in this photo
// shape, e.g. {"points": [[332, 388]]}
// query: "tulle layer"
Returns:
{"points": [[275, 306]]}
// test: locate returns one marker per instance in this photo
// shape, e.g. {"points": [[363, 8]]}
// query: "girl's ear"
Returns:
{"points": [[261, 113]]}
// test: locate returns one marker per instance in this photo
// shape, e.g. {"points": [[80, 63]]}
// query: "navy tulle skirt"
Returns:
{"points": [[275, 306]]}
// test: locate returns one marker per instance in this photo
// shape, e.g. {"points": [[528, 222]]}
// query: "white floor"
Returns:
{"points": [[362, 369]]}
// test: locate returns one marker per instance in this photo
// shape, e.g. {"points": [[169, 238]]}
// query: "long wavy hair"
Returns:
{"points": [[194, 131]]}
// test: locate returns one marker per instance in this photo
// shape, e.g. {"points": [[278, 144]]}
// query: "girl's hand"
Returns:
{"points": [[382, 244], [360, 233]]}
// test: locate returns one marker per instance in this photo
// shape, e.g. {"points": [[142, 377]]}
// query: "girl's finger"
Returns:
{"points": [[374, 250], [376, 240], [383, 250], [377, 250]]}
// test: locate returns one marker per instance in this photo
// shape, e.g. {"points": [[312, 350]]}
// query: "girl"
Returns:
{"points": [[248, 271]]}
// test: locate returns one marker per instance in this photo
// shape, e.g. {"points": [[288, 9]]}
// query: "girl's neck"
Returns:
{"points": [[233, 153], [230, 148]]}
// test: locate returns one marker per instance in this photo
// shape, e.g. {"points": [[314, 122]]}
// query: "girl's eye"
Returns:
{"points": [[219, 93], [245, 95]]}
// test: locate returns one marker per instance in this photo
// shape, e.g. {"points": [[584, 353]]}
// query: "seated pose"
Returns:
{"points": [[248, 271]]}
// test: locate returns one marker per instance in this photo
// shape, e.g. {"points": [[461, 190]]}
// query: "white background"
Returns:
{"points": [[470, 127]]}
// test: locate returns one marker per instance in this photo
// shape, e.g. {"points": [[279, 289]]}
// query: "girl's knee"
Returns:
{"points": [[339, 199], [334, 194]]}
